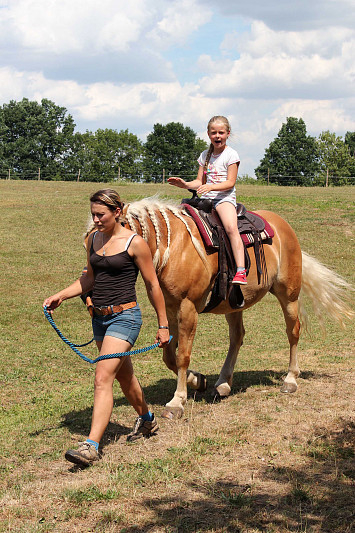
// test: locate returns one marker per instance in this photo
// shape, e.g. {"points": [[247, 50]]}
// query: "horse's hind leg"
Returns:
{"points": [[223, 386], [290, 311]]}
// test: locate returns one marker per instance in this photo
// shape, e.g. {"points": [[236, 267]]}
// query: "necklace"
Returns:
{"points": [[103, 245]]}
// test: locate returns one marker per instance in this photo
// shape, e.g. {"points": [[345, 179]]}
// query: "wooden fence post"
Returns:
{"points": [[163, 175], [78, 178], [327, 178], [9, 173], [39, 174]]}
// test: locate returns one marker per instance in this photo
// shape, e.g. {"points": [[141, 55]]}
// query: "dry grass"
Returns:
{"points": [[257, 462]]}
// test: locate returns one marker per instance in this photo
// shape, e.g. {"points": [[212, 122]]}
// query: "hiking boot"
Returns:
{"points": [[240, 278], [143, 428], [84, 455]]}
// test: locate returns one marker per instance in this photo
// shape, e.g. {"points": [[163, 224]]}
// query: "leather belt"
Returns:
{"points": [[110, 309]]}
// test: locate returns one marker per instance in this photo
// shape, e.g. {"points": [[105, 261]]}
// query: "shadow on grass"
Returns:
{"points": [[162, 392], [80, 421], [317, 496]]}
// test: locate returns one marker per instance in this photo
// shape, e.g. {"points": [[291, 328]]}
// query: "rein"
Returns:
{"points": [[75, 347]]}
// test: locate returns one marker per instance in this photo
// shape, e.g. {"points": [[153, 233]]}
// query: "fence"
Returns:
{"points": [[318, 180]]}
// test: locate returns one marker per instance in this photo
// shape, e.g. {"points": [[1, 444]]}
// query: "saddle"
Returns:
{"points": [[254, 231]]}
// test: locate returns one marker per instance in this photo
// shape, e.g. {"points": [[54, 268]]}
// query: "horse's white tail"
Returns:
{"points": [[330, 294]]}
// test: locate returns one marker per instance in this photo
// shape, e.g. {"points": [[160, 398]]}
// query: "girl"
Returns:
{"points": [[216, 180], [114, 257]]}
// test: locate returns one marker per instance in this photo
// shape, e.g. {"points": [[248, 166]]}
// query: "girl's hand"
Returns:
{"points": [[162, 337], [178, 182], [203, 189]]}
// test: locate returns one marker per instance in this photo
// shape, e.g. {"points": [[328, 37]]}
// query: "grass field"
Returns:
{"points": [[257, 462]]}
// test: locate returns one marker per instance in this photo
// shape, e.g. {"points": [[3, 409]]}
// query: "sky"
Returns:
{"points": [[131, 64]]}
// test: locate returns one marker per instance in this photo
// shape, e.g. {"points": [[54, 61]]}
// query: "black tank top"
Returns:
{"points": [[115, 277]]}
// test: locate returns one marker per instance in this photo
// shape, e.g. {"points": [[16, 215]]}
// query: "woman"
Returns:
{"points": [[115, 256]]}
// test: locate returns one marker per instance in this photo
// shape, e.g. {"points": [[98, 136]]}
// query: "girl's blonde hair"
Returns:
{"points": [[222, 120]]}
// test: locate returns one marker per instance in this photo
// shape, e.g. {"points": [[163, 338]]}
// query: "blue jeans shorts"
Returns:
{"points": [[125, 326], [219, 201]]}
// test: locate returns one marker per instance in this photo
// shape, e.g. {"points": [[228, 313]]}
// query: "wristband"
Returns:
{"points": [[163, 327]]}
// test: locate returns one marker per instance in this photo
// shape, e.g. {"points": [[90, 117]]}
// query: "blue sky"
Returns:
{"points": [[128, 65]]}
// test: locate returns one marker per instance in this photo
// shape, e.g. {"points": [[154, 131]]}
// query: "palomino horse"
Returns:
{"points": [[187, 274]]}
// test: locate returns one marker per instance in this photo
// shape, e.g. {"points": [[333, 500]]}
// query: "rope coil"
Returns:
{"points": [[75, 347]]}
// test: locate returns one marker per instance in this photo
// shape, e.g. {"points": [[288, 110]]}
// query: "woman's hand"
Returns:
{"points": [[162, 337], [52, 302], [178, 182]]}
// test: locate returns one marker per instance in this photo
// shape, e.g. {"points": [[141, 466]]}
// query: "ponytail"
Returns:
{"points": [[205, 166]]}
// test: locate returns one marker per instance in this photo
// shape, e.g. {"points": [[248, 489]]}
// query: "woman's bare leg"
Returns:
{"points": [[106, 372]]}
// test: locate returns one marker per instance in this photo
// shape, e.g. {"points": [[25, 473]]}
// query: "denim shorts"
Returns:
{"points": [[218, 201], [125, 326]]}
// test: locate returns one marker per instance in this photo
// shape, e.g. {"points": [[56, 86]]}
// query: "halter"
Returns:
{"points": [[75, 347]]}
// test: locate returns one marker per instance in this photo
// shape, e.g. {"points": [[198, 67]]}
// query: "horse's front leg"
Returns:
{"points": [[223, 385], [187, 323]]}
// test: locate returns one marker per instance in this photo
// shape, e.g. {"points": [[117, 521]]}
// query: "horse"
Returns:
{"points": [[187, 273]]}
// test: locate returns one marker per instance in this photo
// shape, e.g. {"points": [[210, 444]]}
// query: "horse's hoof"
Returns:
{"points": [[217, 397], [223, 390], [202, 383], [288, 387], [172, 413]]}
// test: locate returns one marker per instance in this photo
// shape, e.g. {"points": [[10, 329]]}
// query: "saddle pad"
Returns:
{"points": [[206, 231], [265, 234], [202, 226]]}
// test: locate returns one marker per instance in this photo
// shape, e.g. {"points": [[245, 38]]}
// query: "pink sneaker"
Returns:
{"points": [[240, 278]]}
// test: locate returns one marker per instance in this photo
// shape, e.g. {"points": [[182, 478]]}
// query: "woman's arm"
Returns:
{"points": [[232, 173], [82, 285], [143, 259]]}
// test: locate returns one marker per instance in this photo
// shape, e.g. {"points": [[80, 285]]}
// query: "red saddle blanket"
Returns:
{"points": [[247, 232]]}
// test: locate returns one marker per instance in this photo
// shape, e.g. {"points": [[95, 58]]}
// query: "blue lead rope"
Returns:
{"points": [[75, 347]]}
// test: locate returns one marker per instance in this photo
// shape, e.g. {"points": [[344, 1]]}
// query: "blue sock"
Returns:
{"points": [[149, 416], [94, 443], [240, 269]]}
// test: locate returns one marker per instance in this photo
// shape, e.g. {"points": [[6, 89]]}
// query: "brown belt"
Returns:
{"points": [[110, 309]]}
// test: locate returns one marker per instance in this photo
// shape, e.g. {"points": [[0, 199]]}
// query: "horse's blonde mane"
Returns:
{"points": [[140, 211], [147, 208]]}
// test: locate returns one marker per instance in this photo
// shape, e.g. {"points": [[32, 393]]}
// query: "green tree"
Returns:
{"points": [[34, 136], [292, 157], [336, 163], [108, 154], [350, 142], [172, 149]]}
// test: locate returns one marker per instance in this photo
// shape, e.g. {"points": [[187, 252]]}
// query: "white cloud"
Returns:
{"points": [[282, 15], [275, 64], [263, 40], [179, 21], [58, 26]]}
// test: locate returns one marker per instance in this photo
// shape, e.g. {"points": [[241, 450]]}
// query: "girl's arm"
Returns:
{"points": [[80, 286], [143, 259], [195, 184], [232, 173]]}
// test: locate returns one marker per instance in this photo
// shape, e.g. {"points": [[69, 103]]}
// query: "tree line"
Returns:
{"points": [[37, 140]]}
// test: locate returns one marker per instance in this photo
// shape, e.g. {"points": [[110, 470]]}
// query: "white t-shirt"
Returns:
{"points": [[217, 172]]}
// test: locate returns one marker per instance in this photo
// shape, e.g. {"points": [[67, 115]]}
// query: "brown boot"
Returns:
{"points": [[85, 455]]}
